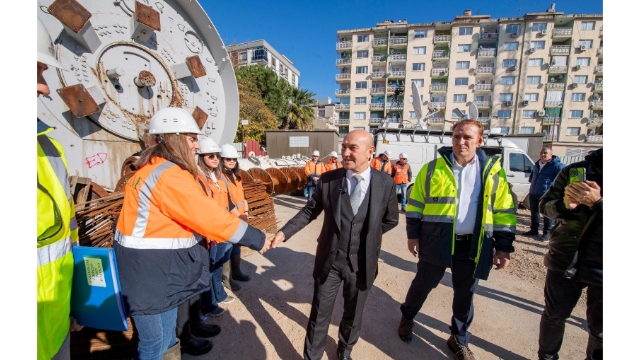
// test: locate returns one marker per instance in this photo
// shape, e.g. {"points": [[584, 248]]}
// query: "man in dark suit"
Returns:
{"points": [[360, 204]]}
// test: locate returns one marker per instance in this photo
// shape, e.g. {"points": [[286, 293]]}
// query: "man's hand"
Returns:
{"points": [[74, 326], [501, 259], [587, 193], [315, 178], [277, 239], [570, 202], [267, 245], [414, 246]]}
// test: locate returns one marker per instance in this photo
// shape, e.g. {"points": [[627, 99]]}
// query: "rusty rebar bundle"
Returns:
{"points": [[262, 211], [96, 220]]}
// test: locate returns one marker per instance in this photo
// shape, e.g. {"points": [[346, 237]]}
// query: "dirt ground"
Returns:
{"points": [[269, 318]]}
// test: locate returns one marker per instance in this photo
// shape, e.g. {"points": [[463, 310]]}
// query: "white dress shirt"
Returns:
{"points": [[468, 180], [366, 180]]}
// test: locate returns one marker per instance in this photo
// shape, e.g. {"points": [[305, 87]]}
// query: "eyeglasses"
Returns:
{"points": [[212, 156], [227, 159]]}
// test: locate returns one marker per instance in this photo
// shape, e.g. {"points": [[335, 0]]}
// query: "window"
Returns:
{"points": [[580, 79], [361, 85], [362, 69], [419, 50], [511, 46], [459, 97], [538, 45], [419, 34], [504, 114], [455, 116], [533, 79], [586, 43], [513, 29], [419, 82], [504, 130], [321, 113], [462, 64], [573, 131], [465, 31], [363, 38], [528, 114], [527, 130], [361, 100], [507, 63], [412, 114], [519, 162], [534, 62], [588, 25], [418, 67], [578, 96], [583, 61], [359, 115], [462, 81], [539, 27], [506, 97], [575, 114], [508, 80], [531, 96], [464, 48], [363, 54]]}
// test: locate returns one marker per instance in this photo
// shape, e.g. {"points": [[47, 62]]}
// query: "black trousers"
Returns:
{"points": [[560, 297], [188, 317], [534, 202], [428, 277], [354, 294]]}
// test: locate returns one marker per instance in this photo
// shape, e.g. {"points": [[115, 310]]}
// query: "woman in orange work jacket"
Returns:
{"points": [[160, 249]]}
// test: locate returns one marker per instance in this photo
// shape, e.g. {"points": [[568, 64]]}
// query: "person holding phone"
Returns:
{"points": [[574, 259]]}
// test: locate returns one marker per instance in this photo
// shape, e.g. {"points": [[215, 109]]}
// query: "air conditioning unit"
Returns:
{"points": [[595, 116], [532, 49], [525, 102], [544, 32], [515, 34], [552, 79], [578, 67], [540, 112], [583, 47], [513, 68], [508, 103]]}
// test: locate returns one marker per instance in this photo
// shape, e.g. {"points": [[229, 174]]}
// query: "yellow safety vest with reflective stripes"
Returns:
{"points": [[57, 232], [433, 199]]}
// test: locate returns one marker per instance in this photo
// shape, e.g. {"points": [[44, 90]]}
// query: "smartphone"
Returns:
{"points": [[577, 175]]}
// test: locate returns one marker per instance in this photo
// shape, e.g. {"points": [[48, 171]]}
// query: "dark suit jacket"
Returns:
{"points": [[382, 212]]}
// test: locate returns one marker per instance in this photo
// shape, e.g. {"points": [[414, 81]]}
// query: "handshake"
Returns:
{"points": [[272, 241]]}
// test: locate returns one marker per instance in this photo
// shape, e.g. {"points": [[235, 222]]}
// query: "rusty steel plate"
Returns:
{"points": [[261, 175], [79, 101], [245, 177], [147, 16], [280, 180], [293, 177], [200, 116], [303, 178], [195, 66], [70, 13], [99, 190]]}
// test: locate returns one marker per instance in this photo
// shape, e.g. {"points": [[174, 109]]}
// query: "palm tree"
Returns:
{"points": [[301, 115]]}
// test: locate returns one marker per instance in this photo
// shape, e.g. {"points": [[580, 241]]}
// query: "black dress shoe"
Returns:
{"points": [[206, 330], [342, 356], [405, 330], [195, 346]]}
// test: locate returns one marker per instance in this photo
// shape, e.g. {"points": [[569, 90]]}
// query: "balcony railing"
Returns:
{"points": [[597, 87], [558, 68], [379, 42], [560, 49], [399, 73], [435, 120], [343, 106], [555, 85], [485, 69], [342, 92], [375, 121], [344, 45], [562, 32], [392, 89], [398, 57], [594, 138], [600, 51], [377, 90], [344, 61], [549, 103], [487, 53], [484, 87], [344, 76], [595, 121], [440, 72], [438, 88], [441, 38], [439, 54], [550, 137], [442, 104], [343, 121], [596, 104], [378, 74], [483, 103], [550, 120], [376, 105], [484, 120], [598, 68], [379, 58], [489, 36], [395, 106], [342, 135], [398, 40]]}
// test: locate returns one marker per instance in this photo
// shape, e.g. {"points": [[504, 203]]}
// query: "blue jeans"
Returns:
{"points": [[218, 254], [534, 202], [310, 191], [157, 333], [403, 189]]}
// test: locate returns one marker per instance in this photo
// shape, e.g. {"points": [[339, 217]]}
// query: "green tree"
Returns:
{"points": [[301, 114], [260, 116]]}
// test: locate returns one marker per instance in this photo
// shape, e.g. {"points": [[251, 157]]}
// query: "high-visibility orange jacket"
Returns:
{"points": [[401, 173], [236, 193], [161, 257], [376, 163], [332, 165], [313, 168], [214, 189]]}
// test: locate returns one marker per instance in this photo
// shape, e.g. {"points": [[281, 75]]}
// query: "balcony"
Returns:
{"points": [[550, 137], [379, 58], [483, 104], [242, 59], [441, 104], [596, 104], [439, 39], [377, 90], [484, 120], [599, 69], [378, 74], [343, 77], [344, 45], [396, 41], [488, 36], [342, 62], [440, 72], [397, 74], [555, 86], [284, 75], [595, 121], [343, 121], [560, 49], [375, 121], [550, 103], [438, 88], [343, 92], [485, 70], [597, 87], [395, 107], [550, 120], [342, 135], [440, 55], [343, 106], [487, 53], [379, 42], [483, 87], [594, 138], [392, 89], [376, 106], [397, 58], [259, 58], [435, 120], [600, 52], [558, 69], [562, 33]]}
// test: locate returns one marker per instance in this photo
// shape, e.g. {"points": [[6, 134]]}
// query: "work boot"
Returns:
{"points": [[462, 352], [530, 233], [236, 270], [173, 353], [227, 281], [405, 330], [205, 330], [195, 346], [545, 238]]}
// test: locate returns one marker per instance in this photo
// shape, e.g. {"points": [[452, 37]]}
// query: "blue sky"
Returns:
{"points": [[306, 31]]}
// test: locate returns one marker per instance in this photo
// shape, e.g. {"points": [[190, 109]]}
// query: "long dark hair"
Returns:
{"points": [[173, 148], [216, 171], [235, 171]]}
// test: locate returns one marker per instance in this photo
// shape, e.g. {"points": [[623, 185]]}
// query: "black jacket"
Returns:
{"points": [[541, 180], [568, 235]]}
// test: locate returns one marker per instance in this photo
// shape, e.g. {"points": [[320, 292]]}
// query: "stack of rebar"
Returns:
{"points": [[262, 211], [96, 220]]}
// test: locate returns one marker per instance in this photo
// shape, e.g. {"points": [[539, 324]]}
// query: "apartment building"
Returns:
{"points": [[260, 52], [539, 73]]}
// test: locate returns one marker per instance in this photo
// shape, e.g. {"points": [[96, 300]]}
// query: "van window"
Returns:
{"points": [[519, 162]]}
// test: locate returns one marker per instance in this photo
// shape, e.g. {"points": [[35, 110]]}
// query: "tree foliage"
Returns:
{"points": [[260, 116]]}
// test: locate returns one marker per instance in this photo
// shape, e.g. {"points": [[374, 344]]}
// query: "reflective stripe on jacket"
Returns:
{"points": [[57, 232], [236, 194], [401, 173], [376, 163], [431, 213]]}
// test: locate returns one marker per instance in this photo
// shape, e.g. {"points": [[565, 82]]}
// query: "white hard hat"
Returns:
{"points": [[172, 120], [402, 155], [228, 151], [387, 152], [333, 154], [208, 146], [46, 53], [315, 153]]}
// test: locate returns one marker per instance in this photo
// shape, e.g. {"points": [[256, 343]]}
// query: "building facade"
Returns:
{"points": [[540, 73], [260, 52]]}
